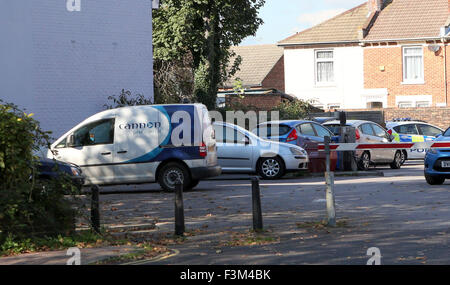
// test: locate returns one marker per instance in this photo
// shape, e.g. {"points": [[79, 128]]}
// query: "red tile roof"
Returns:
{"points": [[410, 19]]}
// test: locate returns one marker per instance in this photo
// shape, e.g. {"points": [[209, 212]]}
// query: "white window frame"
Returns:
{"points": [[406, 104], [413, 100], [317, 60], [418, 80]]}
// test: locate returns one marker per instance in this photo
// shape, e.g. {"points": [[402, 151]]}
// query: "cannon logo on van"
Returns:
{"points": [[140, 126]]}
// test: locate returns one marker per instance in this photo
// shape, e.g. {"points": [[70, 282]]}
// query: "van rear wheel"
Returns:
{"points": [[171, 173]]}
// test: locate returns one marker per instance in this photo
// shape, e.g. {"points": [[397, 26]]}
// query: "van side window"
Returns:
{"points": [[62, 144], [101, 132]]}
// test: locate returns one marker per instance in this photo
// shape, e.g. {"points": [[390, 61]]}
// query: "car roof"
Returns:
{"points": [[290, 123], [349, 122], [394, 124]]}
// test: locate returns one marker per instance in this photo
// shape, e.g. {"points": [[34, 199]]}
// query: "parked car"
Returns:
{"points": [[240, 151], [406, 130], [306, 134], [437, 162], [370, 132], [52, 169], [143, 144]]}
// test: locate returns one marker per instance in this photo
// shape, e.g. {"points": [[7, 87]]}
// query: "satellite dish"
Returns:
{"points": [[434, 48]]}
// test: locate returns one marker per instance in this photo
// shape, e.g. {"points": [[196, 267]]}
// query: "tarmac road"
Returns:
{"points": [[408, 220]]}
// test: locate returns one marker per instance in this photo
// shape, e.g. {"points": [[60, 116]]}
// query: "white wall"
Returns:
{"points": [[62, 65], [348, 73]]}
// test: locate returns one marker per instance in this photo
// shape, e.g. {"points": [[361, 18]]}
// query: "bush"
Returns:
{"points": [[29, 208], [125, 98], [295, 110]]}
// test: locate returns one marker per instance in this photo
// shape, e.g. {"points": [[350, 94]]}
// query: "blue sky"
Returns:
{"points": [[283, 18]]}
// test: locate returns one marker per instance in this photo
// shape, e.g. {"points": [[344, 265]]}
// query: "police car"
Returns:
{"points": [[408, 130]]}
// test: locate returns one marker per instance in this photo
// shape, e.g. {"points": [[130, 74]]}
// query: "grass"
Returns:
{"points": [[82, 239]]}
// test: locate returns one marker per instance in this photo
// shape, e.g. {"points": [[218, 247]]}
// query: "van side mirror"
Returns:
{"points": [[71, 141]]}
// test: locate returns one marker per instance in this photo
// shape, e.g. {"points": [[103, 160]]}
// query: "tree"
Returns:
{"points": [[205, 29]]}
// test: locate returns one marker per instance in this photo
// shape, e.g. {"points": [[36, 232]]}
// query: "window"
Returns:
{"points": [[228, 135], [272, 130], [366, 129], [101, 132], [409, 129], [374, 105], [413, 64], [427, 130], [422, 104], [307, 130], [324, 66], [379, 131], [408, 104], [322, 132]]}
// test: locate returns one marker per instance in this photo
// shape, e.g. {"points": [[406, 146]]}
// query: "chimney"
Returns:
{"points": [[376, 5]]}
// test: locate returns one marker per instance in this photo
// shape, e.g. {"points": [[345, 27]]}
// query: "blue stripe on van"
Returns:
{"points": [[154, 153]]}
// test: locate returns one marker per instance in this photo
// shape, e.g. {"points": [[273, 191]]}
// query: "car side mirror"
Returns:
{"points": [[246, 140], [71, 141], [439, 135], [391, 138]]}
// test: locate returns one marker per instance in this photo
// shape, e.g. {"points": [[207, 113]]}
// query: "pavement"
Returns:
{"points": [[399, 213]]}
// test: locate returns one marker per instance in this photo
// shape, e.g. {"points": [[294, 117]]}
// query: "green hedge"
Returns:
{"points": [[29, 208]]}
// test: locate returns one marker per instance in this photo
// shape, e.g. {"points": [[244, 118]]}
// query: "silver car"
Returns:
{"points": [[370, 132], [240, 151]]}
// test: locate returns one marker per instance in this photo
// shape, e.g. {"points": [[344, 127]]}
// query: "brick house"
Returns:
{"points": [[62, 59], [382, 53], [261, 73], [405, 54]]}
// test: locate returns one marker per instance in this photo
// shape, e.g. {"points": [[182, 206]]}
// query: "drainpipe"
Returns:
{"points": [[445, 71]]}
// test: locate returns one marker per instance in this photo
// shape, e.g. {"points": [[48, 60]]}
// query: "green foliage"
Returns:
{"points": [[29, 208], [205, 29], [297, 109], [125, 98]]}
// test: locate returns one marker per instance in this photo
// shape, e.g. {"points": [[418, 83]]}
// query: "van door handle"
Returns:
{"points": [[123, 151], [106, 153]]}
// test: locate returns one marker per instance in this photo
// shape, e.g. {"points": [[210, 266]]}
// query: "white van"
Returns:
{"points": [[142, 144]]}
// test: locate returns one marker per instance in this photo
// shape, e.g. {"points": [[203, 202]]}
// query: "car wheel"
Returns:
{"points": [[404, 157], [364, 161], [170, 173], [271, 168], [434, 180], [397, 163]]}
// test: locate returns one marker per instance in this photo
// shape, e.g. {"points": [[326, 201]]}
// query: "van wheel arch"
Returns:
{"points": [[165, 162]]}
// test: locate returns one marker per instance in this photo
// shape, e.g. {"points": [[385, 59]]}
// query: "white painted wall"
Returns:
{"points": [[61, 59], [347, 89]]}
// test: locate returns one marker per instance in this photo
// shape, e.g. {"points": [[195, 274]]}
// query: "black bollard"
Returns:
{"points": [[256, 201], [179, 209], [95, 208]]}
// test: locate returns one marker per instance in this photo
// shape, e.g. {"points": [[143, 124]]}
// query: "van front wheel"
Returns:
{"points": [[170, 173]]}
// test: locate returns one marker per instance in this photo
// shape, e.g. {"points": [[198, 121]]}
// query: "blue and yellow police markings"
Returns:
{"points": [[413, 139]]}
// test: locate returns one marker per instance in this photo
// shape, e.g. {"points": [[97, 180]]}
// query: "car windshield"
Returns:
{"points": [[447, 133]]}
